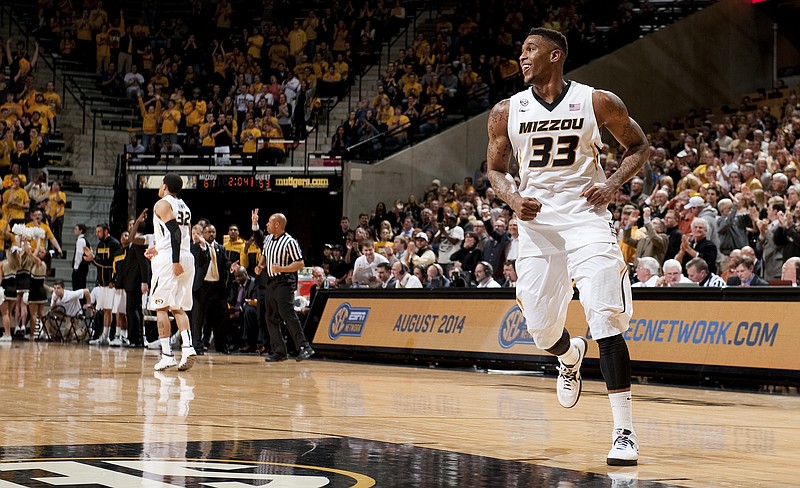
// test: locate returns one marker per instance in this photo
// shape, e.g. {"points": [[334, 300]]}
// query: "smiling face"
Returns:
{"points": [[537, 58]]}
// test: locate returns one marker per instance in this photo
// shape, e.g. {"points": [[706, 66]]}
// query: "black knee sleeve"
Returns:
{"points": [[561, 346], [615, 362]]}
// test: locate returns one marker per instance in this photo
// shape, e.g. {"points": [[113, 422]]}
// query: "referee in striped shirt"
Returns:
{"points": [[281, 259]]}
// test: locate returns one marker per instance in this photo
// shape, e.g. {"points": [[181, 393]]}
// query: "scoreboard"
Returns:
{"points": [[244, 182]]}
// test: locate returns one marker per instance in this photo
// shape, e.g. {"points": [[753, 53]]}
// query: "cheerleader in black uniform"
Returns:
{"points": [[8, 284], [37, 295]]}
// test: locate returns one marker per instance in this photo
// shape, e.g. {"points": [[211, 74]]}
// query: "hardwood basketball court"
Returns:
{"points": [[75, 415]]}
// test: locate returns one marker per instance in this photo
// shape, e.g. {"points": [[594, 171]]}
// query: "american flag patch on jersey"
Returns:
{"points": [[574, 107]]}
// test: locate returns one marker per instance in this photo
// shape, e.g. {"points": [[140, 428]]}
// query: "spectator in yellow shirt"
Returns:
{"points": [[15, 202], [341, 66], [170, 120], [254, 44], [195, 110], [272, 152], [205, 133], [56, 203], [52, 98], [103, 49], [36, 221], [249, 137], [398, 125], [413, 86], [12, 105], [150, 115]]}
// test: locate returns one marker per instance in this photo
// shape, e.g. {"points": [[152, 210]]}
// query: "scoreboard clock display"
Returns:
{"points": [[243, 182]]}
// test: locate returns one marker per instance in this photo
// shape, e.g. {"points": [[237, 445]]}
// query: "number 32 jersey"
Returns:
{"points": [[184, 218], [557, 147]]}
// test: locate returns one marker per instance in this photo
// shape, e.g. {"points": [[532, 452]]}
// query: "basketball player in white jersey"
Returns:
{"points": [[565, 232], [173, 271]]}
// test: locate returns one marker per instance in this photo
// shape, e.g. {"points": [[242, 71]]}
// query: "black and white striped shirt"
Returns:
{"points": [[283, 251], [714, 281]]}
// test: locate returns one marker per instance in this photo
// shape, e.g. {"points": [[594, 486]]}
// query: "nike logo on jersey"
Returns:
{"points": [[550, 125]]}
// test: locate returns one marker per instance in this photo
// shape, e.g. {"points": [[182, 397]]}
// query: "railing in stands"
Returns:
{"points": [[46, 56]]}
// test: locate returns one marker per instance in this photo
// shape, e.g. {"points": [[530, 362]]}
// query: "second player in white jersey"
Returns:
{"points": [[183, 216], [556, 146]]}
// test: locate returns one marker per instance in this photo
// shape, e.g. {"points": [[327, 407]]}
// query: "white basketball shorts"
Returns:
{"points": [[166, 289], [105, 298], [120, 301], [544, 290]]}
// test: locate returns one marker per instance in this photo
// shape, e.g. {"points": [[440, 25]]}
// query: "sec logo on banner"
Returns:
{"points": [[513, 329], [348, 321]]}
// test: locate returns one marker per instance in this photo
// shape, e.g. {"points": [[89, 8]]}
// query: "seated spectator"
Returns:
{"points": [[365, 274], [243, 307], [167, 147], [745, 275], [134, 146], [646, 272], [436, 278], [419, 253], [398, 129], [483, 276], [672, 274], [432, 115], [478, 96], [510, 274], [402, 278], [469, 255], [697, 271], [789, 271], [385, 277]]}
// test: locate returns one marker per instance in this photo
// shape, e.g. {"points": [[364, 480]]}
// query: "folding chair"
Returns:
{"points": [[56, 317], [80, 325]]}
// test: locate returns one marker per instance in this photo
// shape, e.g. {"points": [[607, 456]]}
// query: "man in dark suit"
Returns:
{"points": [[209, 290], [133, 275], [243, 303], [745, 275], [385, 275]]}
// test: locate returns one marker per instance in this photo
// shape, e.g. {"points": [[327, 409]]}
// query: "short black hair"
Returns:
{"points": [[174, 183], [557, 38], [59, 282]]}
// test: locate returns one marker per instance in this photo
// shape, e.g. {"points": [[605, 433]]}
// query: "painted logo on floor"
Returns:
{"points": [[180, 473]]}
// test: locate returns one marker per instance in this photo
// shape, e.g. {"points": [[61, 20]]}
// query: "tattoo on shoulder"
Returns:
{"points": [[499, 112]]}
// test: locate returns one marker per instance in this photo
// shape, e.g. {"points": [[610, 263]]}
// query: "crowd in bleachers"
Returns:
{"points": [[716, 205], [32, 213], [467, 63], [238, 61]]}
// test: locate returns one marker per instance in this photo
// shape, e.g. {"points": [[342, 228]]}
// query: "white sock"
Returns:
{"points": [[622, 410], [105, 331], [570, 357], [186, 338], [124, 333], [166, 347]]}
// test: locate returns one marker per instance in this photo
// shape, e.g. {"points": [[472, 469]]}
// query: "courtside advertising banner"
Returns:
{"points": [[711, 333]]}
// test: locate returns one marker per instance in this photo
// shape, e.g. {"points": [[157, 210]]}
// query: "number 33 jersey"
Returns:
{"points": [[557, 147], [184, 218]]}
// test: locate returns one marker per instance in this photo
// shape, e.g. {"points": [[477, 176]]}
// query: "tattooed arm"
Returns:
{"points": [[497, 155], [611, 112]]}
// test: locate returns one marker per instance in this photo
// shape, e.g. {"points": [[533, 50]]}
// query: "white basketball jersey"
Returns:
{"points": [[184, 218], [557, 147]]}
